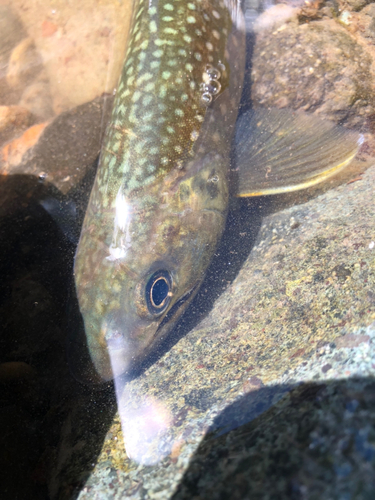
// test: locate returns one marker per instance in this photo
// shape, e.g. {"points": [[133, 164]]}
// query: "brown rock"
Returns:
{"points": [[82, 46], [13, 120], [351, 340], [24, 64], [318, 67], [252, 384]]}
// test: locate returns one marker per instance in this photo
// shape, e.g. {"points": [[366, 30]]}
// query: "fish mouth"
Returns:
{"points": [[122, 353], [175, 308], [116, 342]]}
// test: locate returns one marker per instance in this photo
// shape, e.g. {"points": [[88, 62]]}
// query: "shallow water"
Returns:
{"points": [[265, 387]]}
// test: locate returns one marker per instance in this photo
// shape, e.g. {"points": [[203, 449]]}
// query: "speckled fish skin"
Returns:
{"points": [[160, 197]]}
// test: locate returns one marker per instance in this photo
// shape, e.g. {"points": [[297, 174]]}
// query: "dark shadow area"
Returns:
{"points": [[313, 440], [44, 412]]}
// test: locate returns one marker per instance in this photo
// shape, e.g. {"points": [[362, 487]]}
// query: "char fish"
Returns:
{"points": [[160, 198]]}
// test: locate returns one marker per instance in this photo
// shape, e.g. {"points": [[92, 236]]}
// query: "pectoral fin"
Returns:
{"points": [[280, 151]]}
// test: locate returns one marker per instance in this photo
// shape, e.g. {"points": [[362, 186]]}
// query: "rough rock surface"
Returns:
{"points": [[322, 66]]}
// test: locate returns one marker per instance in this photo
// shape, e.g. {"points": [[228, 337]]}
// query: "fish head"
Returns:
{"points": [[137, 274]]}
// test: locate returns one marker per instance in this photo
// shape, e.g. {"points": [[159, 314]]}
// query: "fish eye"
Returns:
{"points": [[158, 292]]}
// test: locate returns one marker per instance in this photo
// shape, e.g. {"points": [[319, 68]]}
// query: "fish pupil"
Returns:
{"points": [[158, 292]]}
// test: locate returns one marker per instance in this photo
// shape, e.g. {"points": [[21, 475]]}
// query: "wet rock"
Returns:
{"points": [[82, 48], [24, 64], [350, 340], [37, 99], [13, 121], [319, 67], [355, 5], [275, 17], [316, 442], [23, 81], [60, 152], [367, 25], [12, 32]]}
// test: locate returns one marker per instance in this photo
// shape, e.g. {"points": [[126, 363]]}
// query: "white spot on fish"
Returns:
{"points": [[150, 87], [170, 31], [157, 53], [194, 135]]}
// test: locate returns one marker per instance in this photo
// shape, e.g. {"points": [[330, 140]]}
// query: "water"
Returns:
{"points": [[265, 387]]}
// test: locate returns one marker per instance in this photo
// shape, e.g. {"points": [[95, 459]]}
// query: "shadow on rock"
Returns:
{"points": [[313, 440]]}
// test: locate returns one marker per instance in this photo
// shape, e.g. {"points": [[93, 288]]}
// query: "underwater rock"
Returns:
{"points": [[82, 46], [72, 139], [36, 98], [12, 32], [24, 64], [319, 67], [13, 121], [23, 80]]}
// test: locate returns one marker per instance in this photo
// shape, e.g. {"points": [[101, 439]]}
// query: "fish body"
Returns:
{"points": [[159, 202]]}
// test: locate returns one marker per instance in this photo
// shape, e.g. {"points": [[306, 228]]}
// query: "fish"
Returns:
{"points": [[160, 198]]}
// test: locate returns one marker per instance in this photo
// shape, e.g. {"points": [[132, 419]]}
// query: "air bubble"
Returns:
{"points": [[206, 98], [212, 72], [221, 67], [213, 87]]}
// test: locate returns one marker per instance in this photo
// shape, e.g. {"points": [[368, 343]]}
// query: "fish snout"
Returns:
{"points": [[123, 339]]}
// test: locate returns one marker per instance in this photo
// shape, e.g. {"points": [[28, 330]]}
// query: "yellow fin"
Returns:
{"points": [[278, 151]]}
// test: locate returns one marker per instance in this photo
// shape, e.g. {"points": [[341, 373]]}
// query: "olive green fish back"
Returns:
{"points": [[175, 65]]}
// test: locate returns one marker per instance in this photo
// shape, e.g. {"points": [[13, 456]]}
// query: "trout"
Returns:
{"points": [[160, 197]]}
